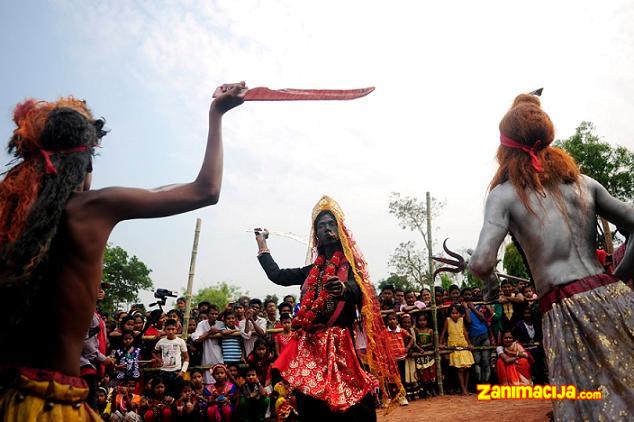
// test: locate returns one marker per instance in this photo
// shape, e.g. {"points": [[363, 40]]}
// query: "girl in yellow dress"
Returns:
{"points": [[458, 337]]}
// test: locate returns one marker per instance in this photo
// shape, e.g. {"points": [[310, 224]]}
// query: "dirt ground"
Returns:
{"points": [[461, 408]]}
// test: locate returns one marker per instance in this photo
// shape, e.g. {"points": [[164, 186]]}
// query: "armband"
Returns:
{"points": [[185, 366]]}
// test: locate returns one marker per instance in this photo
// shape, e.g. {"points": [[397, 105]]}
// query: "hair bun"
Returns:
{"points": [[526, 99]]}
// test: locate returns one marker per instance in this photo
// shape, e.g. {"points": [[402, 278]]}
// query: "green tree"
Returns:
{"points": [[471, 281], [513, 263], [612, 166], [411, 264], [399, 282], [126, 275], [447, 280], [218, 294], [411, 214]]}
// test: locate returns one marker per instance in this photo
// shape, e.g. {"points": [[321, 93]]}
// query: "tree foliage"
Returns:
{"points": [[411, 213], [410, 263], [612, 166], [471, 281], [399, 282], [513, 263], [218, 294], [446, 280], [126, 275], [406, 260]]}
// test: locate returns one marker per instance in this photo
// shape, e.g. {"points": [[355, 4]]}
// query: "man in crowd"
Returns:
{"points": [[539, 195], [205, 333], [320, 362], [53, 232], [253, 326]]}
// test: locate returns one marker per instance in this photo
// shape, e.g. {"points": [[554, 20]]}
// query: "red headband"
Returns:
{"points": [[510, 143], [48, 164]]}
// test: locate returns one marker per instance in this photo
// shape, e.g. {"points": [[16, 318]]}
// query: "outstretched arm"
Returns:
{"points": [[116, 204], [620, 214], [282, 277]]}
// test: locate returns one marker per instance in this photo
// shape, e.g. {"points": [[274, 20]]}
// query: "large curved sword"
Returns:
{"points": [[290, 94]]}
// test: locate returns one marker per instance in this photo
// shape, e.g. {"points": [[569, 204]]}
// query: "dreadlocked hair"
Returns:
{"points": [[528, 124], [32, 200]]}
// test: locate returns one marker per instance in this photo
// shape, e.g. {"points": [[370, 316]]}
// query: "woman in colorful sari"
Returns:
{"points": [[514, 362]]}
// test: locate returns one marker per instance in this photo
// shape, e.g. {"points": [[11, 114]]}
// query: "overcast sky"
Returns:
{"points": [[444, 72]]}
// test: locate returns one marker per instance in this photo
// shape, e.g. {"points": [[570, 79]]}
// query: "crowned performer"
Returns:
{"points": [[539, 196], [320, 362], [53, 232]]}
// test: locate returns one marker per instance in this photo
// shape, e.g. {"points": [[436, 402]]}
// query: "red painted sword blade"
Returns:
{"points": [[266, 94]]}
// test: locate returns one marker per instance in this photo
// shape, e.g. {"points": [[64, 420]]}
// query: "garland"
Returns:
{"points": [[311, 306]]}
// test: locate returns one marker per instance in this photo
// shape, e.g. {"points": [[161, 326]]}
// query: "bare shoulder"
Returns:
{"points": [[502, 195]]}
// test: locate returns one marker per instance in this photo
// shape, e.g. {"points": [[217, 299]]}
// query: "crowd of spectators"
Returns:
{"points": [[222, 371], [498, 343]]}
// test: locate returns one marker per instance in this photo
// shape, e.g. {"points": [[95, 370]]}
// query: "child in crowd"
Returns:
{"points": [[454, 296], [194, 349], [283, 338], [425, 365], [173, 356], [187, 409], [126, 403], [411, 304], [231, 343], [159, 404], [254, 399], [127, 359], [458, 337], [175, 315], [103, 404], [398, 339], [220, 396], [411, 378], [125, 325], [260, 360]]}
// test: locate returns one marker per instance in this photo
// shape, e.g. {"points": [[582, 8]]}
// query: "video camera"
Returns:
{"points": [[162, 295]]}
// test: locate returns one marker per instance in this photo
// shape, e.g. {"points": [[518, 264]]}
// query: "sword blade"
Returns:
{"points": [[266, 94]]}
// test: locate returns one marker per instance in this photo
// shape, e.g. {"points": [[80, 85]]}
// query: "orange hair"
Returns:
{"points": [[528, 124], [20, 188]]}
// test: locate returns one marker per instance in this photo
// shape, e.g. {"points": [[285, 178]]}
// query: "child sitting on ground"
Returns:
{"points": [[254, 400], [187, 404], [221, 395]]}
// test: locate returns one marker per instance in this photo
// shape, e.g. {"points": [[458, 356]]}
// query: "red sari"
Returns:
{"points": [[518, 372]]}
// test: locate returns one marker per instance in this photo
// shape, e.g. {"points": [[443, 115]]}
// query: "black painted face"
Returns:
{"points": [[327, 230]]}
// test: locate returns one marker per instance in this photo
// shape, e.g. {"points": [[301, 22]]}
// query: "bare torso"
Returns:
{"points": [[52, 335], [559, 246]]}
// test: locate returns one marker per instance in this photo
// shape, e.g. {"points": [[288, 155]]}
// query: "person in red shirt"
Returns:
{"points": [[400, 342]]}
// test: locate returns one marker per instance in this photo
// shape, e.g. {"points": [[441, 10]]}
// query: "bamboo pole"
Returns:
{"points": [[609, 247], [190, 280], [434, 313]]}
